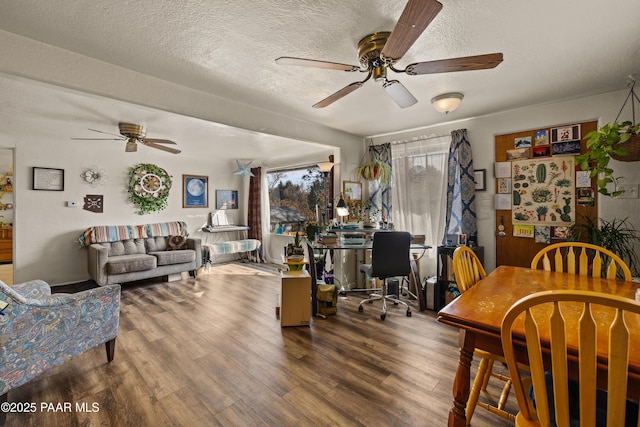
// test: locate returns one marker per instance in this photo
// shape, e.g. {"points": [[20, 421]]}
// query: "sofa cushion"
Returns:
{"points": [[155, 244], [126, 247], [174, 257], [176, 243], [130, 263]]}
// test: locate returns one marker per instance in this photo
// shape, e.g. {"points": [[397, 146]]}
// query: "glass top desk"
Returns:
{"points": [[352, 256]]}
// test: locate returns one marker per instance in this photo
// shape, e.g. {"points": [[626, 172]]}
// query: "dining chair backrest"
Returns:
{"points": [[467, 268], [599, 325], [581, 258]]}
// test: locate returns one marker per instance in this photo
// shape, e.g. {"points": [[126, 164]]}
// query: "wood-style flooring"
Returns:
{"points": [[210, 352]]}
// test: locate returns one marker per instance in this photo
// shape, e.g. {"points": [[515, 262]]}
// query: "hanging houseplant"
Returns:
{"points": [[374, 170], [617, 140], [149, 187]]}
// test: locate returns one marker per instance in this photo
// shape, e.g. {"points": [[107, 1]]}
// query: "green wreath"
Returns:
{"points": [[149, 187]]}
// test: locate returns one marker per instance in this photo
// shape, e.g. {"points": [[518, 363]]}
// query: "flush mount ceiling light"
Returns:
{"points": [[447, 102]]}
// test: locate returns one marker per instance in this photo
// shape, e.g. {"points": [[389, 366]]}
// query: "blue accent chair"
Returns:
{"points": [[39, 330]]}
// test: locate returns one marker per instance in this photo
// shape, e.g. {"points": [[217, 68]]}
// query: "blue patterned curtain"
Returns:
{"points": [[379, 196], [461, 193]]}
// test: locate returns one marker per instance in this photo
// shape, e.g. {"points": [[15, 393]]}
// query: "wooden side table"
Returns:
{"points": [[295, 305]]}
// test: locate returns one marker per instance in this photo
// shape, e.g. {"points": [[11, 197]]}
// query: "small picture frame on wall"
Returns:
{"points": [[480, 179], [352, 190], [195, 191], [565, 133], [49, 179], [226, 199]]}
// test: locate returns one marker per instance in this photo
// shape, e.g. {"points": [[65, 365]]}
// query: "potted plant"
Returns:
{"points": [[542, 212], [295, 248], [616, 235], [374, 170], [604, 144]]}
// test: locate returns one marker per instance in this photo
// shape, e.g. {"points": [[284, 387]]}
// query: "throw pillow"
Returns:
{"points": [[176, 243]]}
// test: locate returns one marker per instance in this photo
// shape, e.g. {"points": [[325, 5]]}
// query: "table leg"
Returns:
{"points": [[461, 384]]}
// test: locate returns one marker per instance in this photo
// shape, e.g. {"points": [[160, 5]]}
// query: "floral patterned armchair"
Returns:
{"points": [[39, 330]]}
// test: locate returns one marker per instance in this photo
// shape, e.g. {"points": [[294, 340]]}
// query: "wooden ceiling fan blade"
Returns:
{"points": [[339, 94], [98, 139], [160, 141], [108, 133], [415, 18], [302, 62], [162, 147], [466, 63]]}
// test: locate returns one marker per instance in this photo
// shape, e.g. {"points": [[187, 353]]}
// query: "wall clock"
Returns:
{"points": [[149, 187]]}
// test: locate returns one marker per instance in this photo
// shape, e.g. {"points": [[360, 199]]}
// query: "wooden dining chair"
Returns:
{"points": [[468, 270], [581, 258], [587, 318]]}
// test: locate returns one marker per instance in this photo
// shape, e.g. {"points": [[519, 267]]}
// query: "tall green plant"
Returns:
{"points": [[616, 235]]}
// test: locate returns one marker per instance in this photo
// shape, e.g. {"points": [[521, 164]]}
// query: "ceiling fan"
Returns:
{"points": [[135, 134], [378, 52]]}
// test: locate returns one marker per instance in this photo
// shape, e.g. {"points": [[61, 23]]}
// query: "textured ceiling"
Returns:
{"points": [[552, 50]]}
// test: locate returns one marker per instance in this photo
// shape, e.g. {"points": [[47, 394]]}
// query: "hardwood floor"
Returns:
{"points": [[211, 352]]}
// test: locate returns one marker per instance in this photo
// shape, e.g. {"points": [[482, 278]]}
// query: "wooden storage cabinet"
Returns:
{"points": [[445, 275], [295, 304], [6, 244]]}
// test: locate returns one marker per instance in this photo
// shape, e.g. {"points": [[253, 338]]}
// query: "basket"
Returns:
{"points": [[633, 146]]}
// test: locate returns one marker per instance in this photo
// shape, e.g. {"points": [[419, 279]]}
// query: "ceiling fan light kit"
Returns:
{"points": [[379, 51], [447, 102]]}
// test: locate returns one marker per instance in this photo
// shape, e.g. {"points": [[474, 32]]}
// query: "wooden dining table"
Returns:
{"points": [[478, 313]]}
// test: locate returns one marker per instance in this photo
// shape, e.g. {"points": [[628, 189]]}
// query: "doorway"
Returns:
{"points": [[6, 215]]}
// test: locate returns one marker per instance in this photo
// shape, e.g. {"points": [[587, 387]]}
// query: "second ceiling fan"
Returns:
{"points": [[378, 52]]}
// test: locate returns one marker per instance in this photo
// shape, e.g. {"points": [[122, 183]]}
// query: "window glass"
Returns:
{"points": [[293, 196]]}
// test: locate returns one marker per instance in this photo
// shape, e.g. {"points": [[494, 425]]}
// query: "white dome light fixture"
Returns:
{"points": [[447, 102]]}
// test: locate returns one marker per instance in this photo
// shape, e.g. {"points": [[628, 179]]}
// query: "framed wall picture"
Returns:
{"points": [[226, 199], [352, 190], [480, 179], [195, 191], [48, 179]]}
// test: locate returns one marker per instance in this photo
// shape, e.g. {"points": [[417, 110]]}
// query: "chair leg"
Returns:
{"points": [[111, 349], [487, 375], [475, 390]]}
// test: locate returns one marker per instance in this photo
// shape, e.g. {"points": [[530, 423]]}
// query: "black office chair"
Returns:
{"points": [[389, 258]]}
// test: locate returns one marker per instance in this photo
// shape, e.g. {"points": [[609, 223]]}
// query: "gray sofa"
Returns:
{"points": [[142, 258]]}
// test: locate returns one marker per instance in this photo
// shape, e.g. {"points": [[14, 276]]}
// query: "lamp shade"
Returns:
{"points": [[447, 102], [341, 208], [325, 166]]}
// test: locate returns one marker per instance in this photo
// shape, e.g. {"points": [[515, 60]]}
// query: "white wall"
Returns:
{"points": [[45, 230], [482, 130]]}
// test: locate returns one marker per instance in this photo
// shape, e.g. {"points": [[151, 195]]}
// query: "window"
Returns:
{"points": [[293, 197]]}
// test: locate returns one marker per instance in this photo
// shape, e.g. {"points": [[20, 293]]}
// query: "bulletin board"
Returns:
{"points": [[544, 192]]}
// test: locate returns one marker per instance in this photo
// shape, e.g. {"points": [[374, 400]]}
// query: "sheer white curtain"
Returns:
{"points": [[419, 192]]}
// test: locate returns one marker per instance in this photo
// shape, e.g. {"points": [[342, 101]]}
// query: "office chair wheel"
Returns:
{"points": [[408, 313], [383, 316], [360, 309], [342, 293], [395, 303]]}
